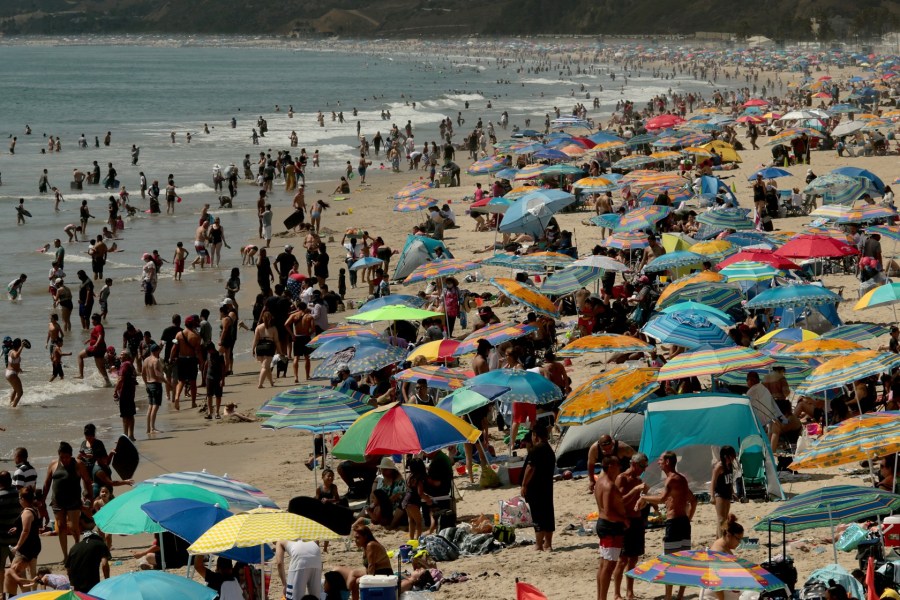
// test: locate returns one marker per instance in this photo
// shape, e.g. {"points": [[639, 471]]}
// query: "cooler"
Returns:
{"points": [[891, 530], [378, 587], [510, 473]]}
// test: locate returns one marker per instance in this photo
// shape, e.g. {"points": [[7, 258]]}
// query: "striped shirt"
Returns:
{"points": [[24, 475]]}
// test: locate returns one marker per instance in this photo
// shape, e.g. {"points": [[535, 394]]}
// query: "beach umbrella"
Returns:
{"points": [[628, 240], [257, 527], [891, 232], [518, 192], [550, 154], [687, 331], [532, 171], [714, 571], [524, 386], [697, 152], [887, 294], [604, 136], [674, 260], [526, 295], [602, 262], [755, 239], [596, 185], [361, 358], [693, 279], [394, 313], [414, 204], [604, 342], [535, 262], [723, 296], [314, 408], [56, 595], [644, 217], [761, 256], [842, 576], [508, 173], [464, 400], [856, 332], [725, 150], [495, 334], [794, 295], [755, 102], [634, 161], [438, 269], [496, 205], [795, 371], [676, 193], [434, 351], [712, 361], [720, 318], [410, 190], [838, 371], [563, 169], [858, 172], [858, 438], [715, 249], [820, 348], [403, 429], [747, 270], [606, 394], [788, 335], [832, 182], [437, 376], [152, 585], [726, 218], [365, 263], [770, 173], [847, 128], [344, 332], [393, 299], [610, 146], [532, 212], [664, 121], [489, 164], [641, 139], [189, 519], [569, 280], [123, 515], [237, 494]]}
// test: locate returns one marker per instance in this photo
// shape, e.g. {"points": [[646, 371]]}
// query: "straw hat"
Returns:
{"points": [[387, 463]]}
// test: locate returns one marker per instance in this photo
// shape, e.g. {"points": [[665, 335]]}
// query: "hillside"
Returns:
{"points": [[450, 18]]}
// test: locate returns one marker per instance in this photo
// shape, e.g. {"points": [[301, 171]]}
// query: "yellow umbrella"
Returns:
{"points": [[866, 117], [785, 334], [857, 439], [666, 155], [714, 248], [697, 152], [675, 242], [607, 146], [259, 526], [701, 277], [606, 394], [708, 111], [526, 295], [723, 149], [605, 342], [821, 348]]}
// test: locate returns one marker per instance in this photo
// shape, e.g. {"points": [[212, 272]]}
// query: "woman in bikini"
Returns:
{"points": [[13, 368], [375, 559]]}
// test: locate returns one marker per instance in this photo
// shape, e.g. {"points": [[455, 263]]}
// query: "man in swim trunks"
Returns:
{"points": [[187, 352], [611, 523], [631, 487], [301, 326], [178, 260], [680, 506], [200, 247]]}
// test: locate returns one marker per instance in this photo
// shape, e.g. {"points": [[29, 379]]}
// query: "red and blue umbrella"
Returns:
{"points": [[495, 334], [645, 217], [410, 190], [414, 203], [437, 269], [714, 571]]}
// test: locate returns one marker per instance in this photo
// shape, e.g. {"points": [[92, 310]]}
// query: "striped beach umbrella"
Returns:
{"points": [[821, 348], [569, 280], [410, 190], [856, 332], [392, 300], [607, 221], [849, 368], [239, 495], [788, 335], [434, 351], [343, 332], [438, 269], [727, 218], [495, 334], [795, 371], [720, 318], [884, 295], [632, 162], [891, 232], [370, 345], [602, 262], [606, 394], [687, 331], [593, 185], [525, 295], [487, 165], [713, 571], [604, 342], [628, 240], [645, 217], [712, 361], [520, 191], [693, 279], [794, 295], [723, 296], [747, 270], [438, 377], [830, 505], [715, 249], [359, 359], [674, 260], [524, 386], [854, 440], [760, 255], [259, 526], [314, 408], [414, 203], [610, 146], [531, 171]]}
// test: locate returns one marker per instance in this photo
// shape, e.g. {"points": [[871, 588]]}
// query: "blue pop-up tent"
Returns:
{"points": [[711, 186], [417, 251], [695, 426]]}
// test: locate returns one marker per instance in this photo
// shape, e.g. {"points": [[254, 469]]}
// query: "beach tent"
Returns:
{"points": [[417, 251], [723, 149], [573, 446], [695, 426], [710, 187]]}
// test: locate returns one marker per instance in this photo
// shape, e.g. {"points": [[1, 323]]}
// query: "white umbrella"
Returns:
{"points": [[847, 127], [601, 262], [795, 115]]}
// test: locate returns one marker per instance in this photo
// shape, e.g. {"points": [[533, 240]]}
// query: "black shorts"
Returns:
{"points": [[301, 347], [634, 537], [154, 393], [84, 310], [57, 370], [187, 368], [213, 389], [678, 535]]}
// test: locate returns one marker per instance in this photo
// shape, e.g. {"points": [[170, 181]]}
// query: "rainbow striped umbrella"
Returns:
{"points": [[857, 439], [434, 351], [666, 155], [748, 270], [847, 369], [531, 171], [676, 286], [714, 571], [495, 334], [518, 192], [821, 348], [727, 218], [607, 220], [490, 164], [676, 193], [414, 203], [632, 162], [609, 393], [343, 332], [795, 371], [644, 217], [687, 331], [723, 296], [715, 249], [712, 361], [403, 429], [569, 280], [605, 342], [525, 295], [442, 378], [438, 269], [313, 408], [649, 177], [610, 146], [856, 332], [410, 190], [891, 232], [629, 240], [867, 213], [56, 595]]}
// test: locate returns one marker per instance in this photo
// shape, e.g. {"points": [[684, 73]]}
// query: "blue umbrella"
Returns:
{"points": [[508, 173], [152, 585], [687, 331], [604, 136], [551, 154], [718, 295], [858, 172], [365, 263], [189, 519], [331, 346], [569, 280], [673, 260], [750, 238], [532, 212], [393, 299], [689, 307], [856, 332], [529, 148], [794, 295], [770, 173], [524, 386], [466, 399], [843, 108], [359, 360]]}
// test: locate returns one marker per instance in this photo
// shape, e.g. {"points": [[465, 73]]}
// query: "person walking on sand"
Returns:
{"points": [[265, 346], [186, 355], [302, 327], [631, 487], [153, 377], [124, 394], [215, 380], [65, 478], [612, 522], [680, 506]]}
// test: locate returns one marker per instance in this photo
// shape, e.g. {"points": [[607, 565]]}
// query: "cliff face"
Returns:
{"points": [[450, 18]]}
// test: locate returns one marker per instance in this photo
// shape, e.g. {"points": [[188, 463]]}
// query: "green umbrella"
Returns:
{"points": [[394, 313], [465, 400], [123, 515]]}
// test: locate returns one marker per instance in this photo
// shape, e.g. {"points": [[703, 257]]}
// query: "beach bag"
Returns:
{"points": [[515, 512], [504, 534], [850, 539], [440, 548]]}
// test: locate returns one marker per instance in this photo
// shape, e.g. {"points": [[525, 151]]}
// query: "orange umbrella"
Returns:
{"points": [[605, 342], [819, 347], [527, 295]]}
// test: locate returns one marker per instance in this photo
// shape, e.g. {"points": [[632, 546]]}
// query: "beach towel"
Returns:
{"points": [[440, 548]]}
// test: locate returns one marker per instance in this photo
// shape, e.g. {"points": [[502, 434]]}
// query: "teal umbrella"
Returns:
{"points": [[674, 260], [569, 280], [856, 332], [152, 585], [720, 318], [467, 399], [314, 408], [726, 218], [123, 515]]}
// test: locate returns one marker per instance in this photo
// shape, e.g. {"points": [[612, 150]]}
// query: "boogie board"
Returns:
{"points": [[294, 219], [126, 458], [25, 212]]}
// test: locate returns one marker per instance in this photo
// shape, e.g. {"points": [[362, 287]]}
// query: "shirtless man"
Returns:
{"points": [[154, 378], [606, 446], [653, 250], [631, 487], [680, 506], [611, 523], [302, 327], [311, 243], [186, 353], [54, 332], [556, 372], [200, 247], [98, 257]]}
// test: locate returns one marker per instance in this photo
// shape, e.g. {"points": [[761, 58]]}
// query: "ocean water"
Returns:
{"points": [[141, 95]]}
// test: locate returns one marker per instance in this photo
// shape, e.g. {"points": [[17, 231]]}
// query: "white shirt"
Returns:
{"points": [[764, 406], [304, 573]]}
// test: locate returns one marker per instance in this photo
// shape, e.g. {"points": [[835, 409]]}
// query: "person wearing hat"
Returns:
{"points": [[345, 382], [153, 377], [385, 507]]}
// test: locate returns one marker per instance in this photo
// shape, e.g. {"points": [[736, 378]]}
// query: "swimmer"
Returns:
{"points": [[178, 259], [248, 254], [14, 288]]}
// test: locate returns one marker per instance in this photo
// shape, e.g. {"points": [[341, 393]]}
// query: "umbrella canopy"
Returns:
{"points": [[687, 331], [788, 335], [259, 526], [365, 263], [465, 400], [495, 334], [403, 429], [152, 585], [883, 295], [239, 495], [369, 345], [748, 270], [361, 359], [701, 277], [526, 295], [769, 257], [605, 342], [393, 299], [689, 307], [596, 185], [628, 240], [674, 260], [716, 249], [532, 212], [844, 369], [794, 295], [825, 506], [314, 408], [795, 371], [394, 313], [770, 173], [345, 332], [439, 268], [414, 204], [607, 394], [524, 386], [189, 519], [416, 188], [602, 262], [438, 377], [715, 571], [858, 172], [569, 280], [856, 332], [820, 348], [853, 440], [727, 218], [56, 595], [723, 296], [489, 164], [123, 515], [712, 361], [434, 351], [663, 122], [644, 217]]}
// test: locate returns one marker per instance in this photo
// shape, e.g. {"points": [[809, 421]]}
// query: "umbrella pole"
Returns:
{"points": [[262, 572], [831, 524], [162, 552]]}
